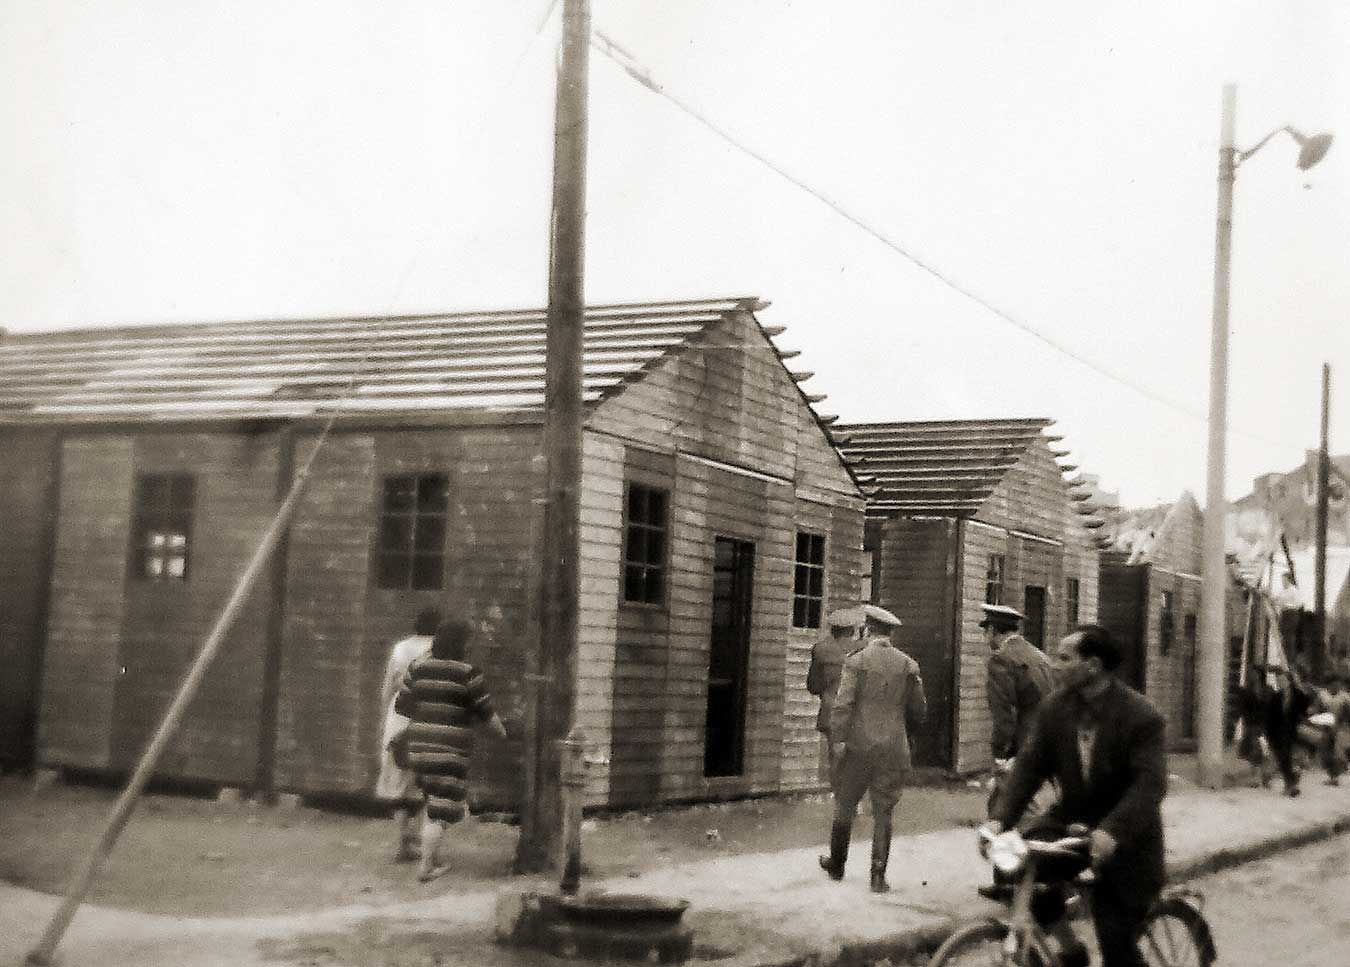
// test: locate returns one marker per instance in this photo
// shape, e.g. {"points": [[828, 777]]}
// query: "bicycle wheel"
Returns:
{"points": [[974, 945], [1176, 935]]}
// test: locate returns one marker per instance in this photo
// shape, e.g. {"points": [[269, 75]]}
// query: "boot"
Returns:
{"points": [[834, 863], [881, 855]]}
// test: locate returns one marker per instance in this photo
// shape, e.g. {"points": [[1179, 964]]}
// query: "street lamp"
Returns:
{"points": [[1212, 662]]}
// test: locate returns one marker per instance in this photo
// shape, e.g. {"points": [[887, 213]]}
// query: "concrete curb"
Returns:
{"points": [[916, 944]]}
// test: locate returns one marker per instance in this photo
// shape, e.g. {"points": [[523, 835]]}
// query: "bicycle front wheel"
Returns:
{"points": [[1176, 935]]}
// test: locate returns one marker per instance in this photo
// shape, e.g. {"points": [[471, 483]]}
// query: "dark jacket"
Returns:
{"points": [[1125, 787], [1019, 677]]}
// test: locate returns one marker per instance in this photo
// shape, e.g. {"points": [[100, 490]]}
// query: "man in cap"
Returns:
{"points": [[880, 700], [1019, 675], [827, 664]]}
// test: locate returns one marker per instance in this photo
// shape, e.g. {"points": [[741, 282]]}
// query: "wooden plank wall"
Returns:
{"points": [[84, 634], [28, 476], [165, 623], [1032, 521], [490, 581], [915, 582], [842, 527], [1165, 677], [725, 399]]}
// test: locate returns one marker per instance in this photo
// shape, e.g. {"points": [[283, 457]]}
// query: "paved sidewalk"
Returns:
{"points": [[753, 909]]}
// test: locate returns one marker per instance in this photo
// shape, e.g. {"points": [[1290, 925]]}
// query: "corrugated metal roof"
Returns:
{"points": [[294, 368], [945, 468]]}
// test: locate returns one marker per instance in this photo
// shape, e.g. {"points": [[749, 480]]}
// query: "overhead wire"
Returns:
{"points": [[630, 65]]}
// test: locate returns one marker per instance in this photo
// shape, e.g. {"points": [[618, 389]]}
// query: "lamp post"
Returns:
{"points": [[1212, 659]]}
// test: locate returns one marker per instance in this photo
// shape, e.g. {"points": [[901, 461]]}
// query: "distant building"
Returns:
{"points": [[718, 525], [1150, 601], [960, 513], [1286, 503]]}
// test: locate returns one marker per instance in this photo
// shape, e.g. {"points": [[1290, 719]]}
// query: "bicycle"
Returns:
{"points": [[1175, 932]]}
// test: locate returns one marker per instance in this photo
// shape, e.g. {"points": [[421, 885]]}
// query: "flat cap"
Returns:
{"points": [[845, 618], [881, 616], [1000, 616]]}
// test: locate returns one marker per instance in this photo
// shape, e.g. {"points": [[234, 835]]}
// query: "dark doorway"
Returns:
{"points": [[1033, 620], [728, 656]]}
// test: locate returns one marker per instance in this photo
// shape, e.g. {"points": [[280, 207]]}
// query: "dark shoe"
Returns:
{"points": [[1291, 791], [834, 863], [996, 891], [881, 855]]}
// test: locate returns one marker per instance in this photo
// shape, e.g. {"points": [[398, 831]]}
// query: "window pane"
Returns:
{"points": [[799, 612], [800, 581], [433, 493], [637, 503], [637, 545], [813, 615], [398, 494], [633, 585], [396, 533], [154, 565], [656, 507], [817, 583], [803, 546], [817, 550], [394, 570], [430, 535], [656, 548], [427, 570], [177, 567]]}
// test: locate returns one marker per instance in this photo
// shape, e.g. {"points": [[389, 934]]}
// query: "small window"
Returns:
{"points": [[993, 580], [808, 584], [413, 512], [644, 549], [161, 533], [1071, 601], [1166, 623]]}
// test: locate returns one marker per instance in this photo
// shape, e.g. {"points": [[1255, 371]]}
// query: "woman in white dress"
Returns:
{"points": [[396, 783]]}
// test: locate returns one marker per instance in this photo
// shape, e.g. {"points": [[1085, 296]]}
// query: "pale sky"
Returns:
{"points": [[186, 160]]}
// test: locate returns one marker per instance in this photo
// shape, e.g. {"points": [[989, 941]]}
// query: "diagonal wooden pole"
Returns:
{"points": [[121, 812]]}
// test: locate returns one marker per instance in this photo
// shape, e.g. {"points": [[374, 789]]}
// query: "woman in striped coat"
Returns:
{"points": [[444, 696]]}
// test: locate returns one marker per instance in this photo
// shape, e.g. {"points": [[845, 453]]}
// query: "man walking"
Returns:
{"points": [[1018, 676], [1103, 743], [444, 695], [395, 782], [827, 665], [880, 701]]}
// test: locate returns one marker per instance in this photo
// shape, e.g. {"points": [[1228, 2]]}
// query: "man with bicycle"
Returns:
{"points": [[1102, 742]]}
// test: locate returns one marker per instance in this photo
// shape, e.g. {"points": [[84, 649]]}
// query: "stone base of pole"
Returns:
{"points": [[1209, 773]]}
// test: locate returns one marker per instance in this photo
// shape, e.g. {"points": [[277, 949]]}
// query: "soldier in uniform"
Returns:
{"points": [[827, 664], [880, 700], [1019, 675]]}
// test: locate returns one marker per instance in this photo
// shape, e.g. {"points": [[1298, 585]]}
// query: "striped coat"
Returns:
{"points": [[443, 698]]}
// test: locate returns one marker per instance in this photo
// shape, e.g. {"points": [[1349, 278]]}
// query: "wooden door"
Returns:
{"points": [[1033, 620]]}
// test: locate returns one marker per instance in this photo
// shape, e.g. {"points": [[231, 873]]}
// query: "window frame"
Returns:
{"points": [[653, 568], [1073, 599], [396, 565], [160, 517], [802, 601]]}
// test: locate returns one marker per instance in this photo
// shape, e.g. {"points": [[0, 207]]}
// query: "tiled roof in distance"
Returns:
{"points": [[946, 468], [296, 368]]}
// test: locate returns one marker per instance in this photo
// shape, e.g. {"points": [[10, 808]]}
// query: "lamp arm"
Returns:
{"points": [[1244, 155]]}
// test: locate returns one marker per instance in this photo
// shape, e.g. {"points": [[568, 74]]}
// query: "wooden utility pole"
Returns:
{"points": [[541, 811], [1211, 662], [1323, 483]]}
